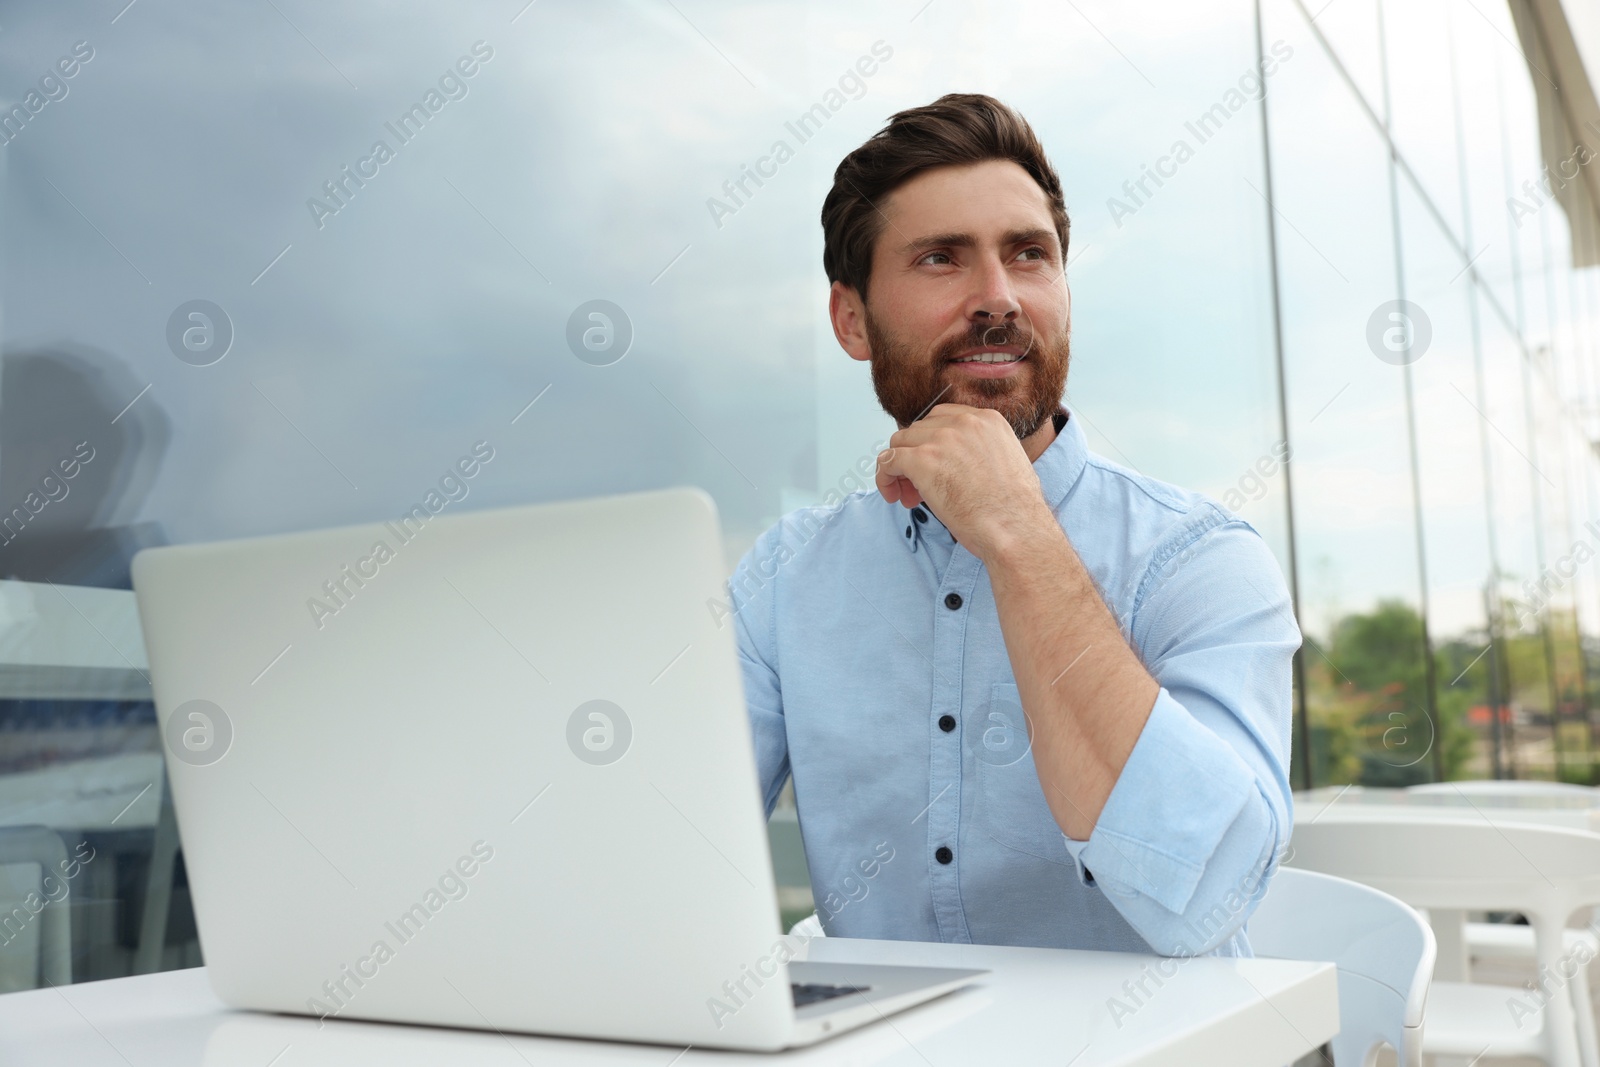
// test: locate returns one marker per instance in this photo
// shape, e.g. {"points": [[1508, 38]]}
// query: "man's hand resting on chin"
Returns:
{"points": [[971, 470]]}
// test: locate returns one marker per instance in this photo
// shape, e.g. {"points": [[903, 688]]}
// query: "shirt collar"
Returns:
{"points": [[1058, 467]]}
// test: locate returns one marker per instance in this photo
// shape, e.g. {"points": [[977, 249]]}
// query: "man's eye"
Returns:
{"points": [[1042, 253], [930, 255]]}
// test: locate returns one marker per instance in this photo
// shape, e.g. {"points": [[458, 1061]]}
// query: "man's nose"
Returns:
{"points": [[993, 300]]}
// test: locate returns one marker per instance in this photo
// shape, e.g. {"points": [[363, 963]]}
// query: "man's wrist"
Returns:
{"points": [[1021, 541]]}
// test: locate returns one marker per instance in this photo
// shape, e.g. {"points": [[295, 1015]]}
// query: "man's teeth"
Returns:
{"points": [[989, 357]]}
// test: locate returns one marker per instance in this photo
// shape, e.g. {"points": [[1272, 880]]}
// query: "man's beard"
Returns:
{"points": [[909, 382]]}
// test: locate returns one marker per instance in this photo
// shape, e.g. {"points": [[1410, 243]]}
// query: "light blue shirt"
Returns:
{"points": [[860, 628]]}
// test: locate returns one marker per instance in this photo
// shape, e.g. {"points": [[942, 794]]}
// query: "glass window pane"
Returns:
{"points": [[1422, 91], [1354, 508], [1514, 475], [1484, 65], [1452, 438]]}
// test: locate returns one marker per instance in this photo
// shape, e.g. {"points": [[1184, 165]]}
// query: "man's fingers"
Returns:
{"points": [[887, 478], [915, 434], [902, 490], [894, 481], [942, 420]]}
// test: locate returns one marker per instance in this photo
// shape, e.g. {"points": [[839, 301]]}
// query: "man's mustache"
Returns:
{"points": [[990, 337]]}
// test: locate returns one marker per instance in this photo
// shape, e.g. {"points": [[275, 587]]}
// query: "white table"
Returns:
{"points": [[1578, 812], [66, 642], [1038, 1006]]}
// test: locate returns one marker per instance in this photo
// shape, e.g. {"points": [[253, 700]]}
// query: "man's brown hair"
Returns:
{"points": [[956, 129]]}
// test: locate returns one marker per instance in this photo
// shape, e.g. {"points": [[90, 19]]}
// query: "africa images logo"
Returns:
{"points": [[452, 885], [199, 733], [599, 732]]}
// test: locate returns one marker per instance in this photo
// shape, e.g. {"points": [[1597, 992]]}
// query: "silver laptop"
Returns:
{"points": [[489, 769]]}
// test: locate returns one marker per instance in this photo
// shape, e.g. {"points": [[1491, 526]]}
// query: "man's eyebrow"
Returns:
{"points": [[966, 240], [1036, 234], [940, 240]]}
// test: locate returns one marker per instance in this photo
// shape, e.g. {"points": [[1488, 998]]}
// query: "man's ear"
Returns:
{"points": [[848, 314]]}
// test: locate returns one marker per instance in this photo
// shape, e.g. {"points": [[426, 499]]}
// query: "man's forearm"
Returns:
{"points": [[1085, 692]]}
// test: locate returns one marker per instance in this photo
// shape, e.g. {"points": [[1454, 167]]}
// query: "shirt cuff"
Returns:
{"points": [[1178, 793]]}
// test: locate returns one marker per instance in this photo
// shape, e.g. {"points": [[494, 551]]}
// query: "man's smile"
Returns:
{"points": [[991, 361]]}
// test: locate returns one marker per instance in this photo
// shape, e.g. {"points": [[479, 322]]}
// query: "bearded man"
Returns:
{"points": [[1055, 691]]}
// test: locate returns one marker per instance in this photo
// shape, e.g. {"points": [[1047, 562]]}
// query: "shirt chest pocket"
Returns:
{"points": [[1011, 808]]}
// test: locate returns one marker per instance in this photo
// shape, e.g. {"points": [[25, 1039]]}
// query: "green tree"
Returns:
{"points": [[1371, 697]]}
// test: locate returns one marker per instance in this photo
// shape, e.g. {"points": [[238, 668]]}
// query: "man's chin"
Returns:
{"points": [[1008, 396], [984, 392]]}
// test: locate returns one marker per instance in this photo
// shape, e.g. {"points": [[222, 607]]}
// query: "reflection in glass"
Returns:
{"points": [[1365, 670]]}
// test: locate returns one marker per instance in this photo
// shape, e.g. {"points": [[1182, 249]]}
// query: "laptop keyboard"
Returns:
{"points": [[814, 992]]}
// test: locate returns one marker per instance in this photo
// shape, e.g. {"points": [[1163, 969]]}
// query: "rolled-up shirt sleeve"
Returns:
{"points": [[1201, 813]]}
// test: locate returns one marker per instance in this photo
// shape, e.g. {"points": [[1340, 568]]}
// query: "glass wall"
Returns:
{"points": [[1355, 518], [275, 269], [1471, 627]]}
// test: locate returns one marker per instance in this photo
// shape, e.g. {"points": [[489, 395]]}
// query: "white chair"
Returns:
{"points": [[807, 928], [1467, 862], [1382, 947], [1513, 940], [42, 846]]}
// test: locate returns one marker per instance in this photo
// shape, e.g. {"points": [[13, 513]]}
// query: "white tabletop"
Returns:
{"points": [[120, 792], [1579, 811], [66, 642], [1038, 1006]]}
